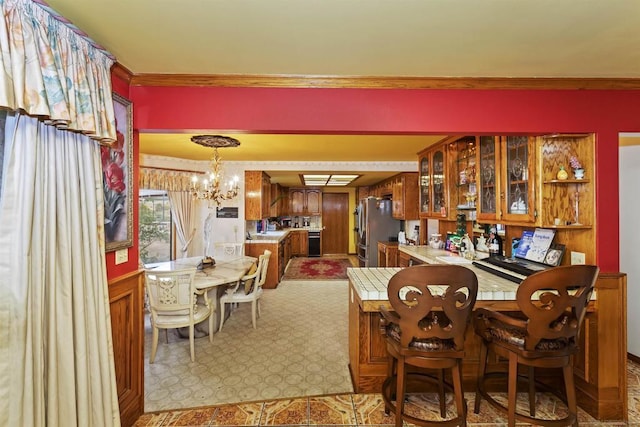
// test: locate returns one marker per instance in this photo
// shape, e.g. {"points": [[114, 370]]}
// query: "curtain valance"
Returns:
{"points": [[165, 179], [50, 71]]}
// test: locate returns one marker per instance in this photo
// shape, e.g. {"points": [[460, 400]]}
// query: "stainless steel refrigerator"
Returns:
{"points": [[375, 224]]}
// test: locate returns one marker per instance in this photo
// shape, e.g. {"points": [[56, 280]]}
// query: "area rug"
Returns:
{"points": [[317, 269]]}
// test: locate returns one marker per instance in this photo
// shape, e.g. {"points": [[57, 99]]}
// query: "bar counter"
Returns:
{"points": [[600, 375]]}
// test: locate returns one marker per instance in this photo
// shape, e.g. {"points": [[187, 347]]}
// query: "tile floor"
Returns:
{"points": [[364, 410]]}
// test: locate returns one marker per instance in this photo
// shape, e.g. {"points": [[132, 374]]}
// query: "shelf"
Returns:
{"points": [[566, 181]]}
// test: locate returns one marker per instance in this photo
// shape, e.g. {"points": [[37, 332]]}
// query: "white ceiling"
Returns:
{"points": [[419, 38]]}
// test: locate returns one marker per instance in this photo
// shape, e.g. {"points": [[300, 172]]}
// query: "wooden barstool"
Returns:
{"points": [[432, 306], [553, 304]]}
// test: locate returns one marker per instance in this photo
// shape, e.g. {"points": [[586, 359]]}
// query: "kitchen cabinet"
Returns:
{"points": [[387, 254], [434, 193], [275, 268], [506, 190], [463, 177], [279, 205], [299, 243], [257, 195], [405, 196], [406, 260], [305, 201]]}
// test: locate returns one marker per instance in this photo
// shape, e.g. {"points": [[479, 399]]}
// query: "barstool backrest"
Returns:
{"points": [[555, 301], [433, 301]]}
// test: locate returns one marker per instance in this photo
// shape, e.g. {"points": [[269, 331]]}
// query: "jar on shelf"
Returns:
{"points": [[562, 174]]}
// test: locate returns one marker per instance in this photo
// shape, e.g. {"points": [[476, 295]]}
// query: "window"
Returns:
{"points": [[156, 230]]}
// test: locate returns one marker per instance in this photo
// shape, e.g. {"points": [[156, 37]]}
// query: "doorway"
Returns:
{"points": [[335, 221]]}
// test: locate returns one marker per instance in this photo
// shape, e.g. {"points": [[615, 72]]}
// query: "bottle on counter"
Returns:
{"points": [[494, 243]]}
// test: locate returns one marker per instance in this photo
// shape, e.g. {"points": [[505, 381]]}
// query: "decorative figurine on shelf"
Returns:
{"points": [[578, 170], [481, 246], [562, 174]]}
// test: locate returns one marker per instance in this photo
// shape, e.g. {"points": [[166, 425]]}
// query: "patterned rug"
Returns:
{"points": [[317, 269]]}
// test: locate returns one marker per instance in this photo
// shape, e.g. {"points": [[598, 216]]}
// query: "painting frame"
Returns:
{"points": [[117, 179]]}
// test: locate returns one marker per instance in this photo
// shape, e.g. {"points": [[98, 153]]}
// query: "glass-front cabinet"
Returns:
{"points": [[506, 187], [488, 157], [425, 184], [464, 176], [518, 153], [439, 183], [433, 182]]}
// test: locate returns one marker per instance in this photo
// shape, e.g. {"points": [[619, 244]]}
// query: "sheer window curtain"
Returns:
{"points": [[183, 214], [55, 342]]}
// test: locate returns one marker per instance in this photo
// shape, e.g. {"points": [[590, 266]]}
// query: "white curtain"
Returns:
{"points": [[183, 214], [55, 344]]}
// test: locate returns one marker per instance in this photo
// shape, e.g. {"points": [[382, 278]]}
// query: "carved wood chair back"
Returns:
{"points": [[433, 301]]}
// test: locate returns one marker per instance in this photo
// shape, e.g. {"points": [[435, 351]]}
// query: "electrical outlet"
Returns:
{"points": [[122, 256], [577, 258]]}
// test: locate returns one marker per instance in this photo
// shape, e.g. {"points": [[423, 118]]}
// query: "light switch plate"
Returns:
{"points": [[122, 256], [577, 258]]}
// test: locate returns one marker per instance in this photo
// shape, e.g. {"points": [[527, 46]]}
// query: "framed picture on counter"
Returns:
{"points": [[117, 182]]}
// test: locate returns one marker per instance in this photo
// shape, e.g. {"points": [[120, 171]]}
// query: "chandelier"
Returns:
{"points": [[210, 187]]}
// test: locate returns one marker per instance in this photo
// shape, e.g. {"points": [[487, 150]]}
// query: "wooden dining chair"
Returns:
{"points": [[173, 303], [431, 311], [228, 250], [545, 335]]}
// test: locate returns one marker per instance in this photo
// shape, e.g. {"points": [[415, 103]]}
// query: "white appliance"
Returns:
{"points": [[375, 224]]}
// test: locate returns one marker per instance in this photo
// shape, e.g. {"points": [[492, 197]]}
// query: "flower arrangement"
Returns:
{"points": [[575, 163], [114, 186]]}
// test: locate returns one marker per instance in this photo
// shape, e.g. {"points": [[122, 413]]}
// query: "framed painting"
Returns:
{"points": [[117, 171]]}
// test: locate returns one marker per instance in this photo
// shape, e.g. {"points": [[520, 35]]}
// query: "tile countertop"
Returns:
{"points": [[371, 283], [275, 236]]}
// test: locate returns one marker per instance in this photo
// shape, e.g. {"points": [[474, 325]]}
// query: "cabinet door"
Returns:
{"points": [[253, 195], [488, 157], [295, 243], [266, 196], [304, 243], [425, 185], [439, 183], [314, 202], [463, 177], [296, 201], [397, 196], [518, 194]]}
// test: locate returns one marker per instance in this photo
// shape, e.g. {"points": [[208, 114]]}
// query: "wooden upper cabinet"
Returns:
{"points": [[257, 195], [405, 196], [305, 201], [314, 201], [434, 194], [279, 205], [518, 179], [500, 172]]}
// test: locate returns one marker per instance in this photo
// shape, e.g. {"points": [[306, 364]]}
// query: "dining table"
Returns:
{"points": [[212, 279]]}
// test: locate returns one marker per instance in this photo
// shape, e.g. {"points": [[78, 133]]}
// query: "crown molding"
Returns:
{"points": [[122, 72], [370, 82]]}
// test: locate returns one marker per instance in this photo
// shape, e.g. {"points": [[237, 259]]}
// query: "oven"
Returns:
{"points": [[314, 244]]}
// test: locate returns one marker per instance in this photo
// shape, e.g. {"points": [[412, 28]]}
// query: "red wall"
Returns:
{"points": [[113, 270], [276, 110]]}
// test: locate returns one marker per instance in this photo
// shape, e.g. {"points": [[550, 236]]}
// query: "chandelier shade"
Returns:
{"points": [[211, 188]]}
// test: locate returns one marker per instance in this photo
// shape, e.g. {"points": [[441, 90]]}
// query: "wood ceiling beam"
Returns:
{"points": [[370, 82]]}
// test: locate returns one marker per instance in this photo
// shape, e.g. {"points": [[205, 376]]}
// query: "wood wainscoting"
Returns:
{"points": [[600, 367], [126, 301]]}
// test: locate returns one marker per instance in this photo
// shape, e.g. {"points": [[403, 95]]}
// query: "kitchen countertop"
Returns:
{"points": [[276, 236], [371, 283]]}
